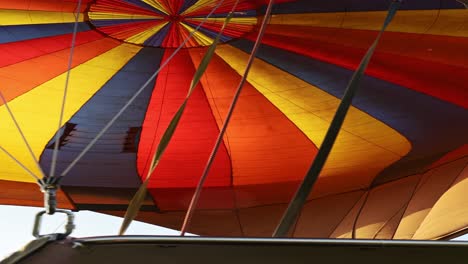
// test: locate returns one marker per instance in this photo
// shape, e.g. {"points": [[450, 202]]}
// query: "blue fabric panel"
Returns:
{"points": [[27, 32], [308, 6], [187, 4], [247, 13], [106, 165], [144, 5], [434, 127], [112, 22], [157, 39]]}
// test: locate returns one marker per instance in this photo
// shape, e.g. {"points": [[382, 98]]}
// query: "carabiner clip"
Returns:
{"points": [[68, 227]]}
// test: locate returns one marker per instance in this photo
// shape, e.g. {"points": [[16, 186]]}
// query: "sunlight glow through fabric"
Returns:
{"points": [[398, 169]]}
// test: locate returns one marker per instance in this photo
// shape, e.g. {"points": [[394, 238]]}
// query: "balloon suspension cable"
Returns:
{"points": [[196, 195], [296, 204], [18, 127], [137, 93], [65, 91], [464, 3]]}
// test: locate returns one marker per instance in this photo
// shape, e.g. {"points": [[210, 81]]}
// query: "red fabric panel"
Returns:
{"points": [[26, 75], [119, 6], [265, 146], [28, 194], [232, 29], [183, 35], [188, 151], [123, 31], [226, 7], [392, 61], [178, 199], [15, 52], [44, 5], [173, 6], [451, 156], [172, 38]]}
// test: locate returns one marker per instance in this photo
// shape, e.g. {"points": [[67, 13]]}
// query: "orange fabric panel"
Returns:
{"points": [[264, 145], [320, 217], [382, 204], [311, 110], [22, 77], [344, 229], [28, 194], [432, 186], [204, 222], [429, 47], [16, 52], [255, 224], [387, 231], [43, 5], [216, 223], [450, 213], [265, 194]]}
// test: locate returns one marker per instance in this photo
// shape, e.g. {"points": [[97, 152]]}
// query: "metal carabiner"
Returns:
{"points": [[68, 227]]}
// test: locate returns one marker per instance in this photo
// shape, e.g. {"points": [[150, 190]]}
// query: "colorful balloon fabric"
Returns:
{"points": [[397, 171]]}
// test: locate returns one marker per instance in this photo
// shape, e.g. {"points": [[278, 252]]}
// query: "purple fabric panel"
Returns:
{"points": [[157, 39], [143, 5], [187, 4]]}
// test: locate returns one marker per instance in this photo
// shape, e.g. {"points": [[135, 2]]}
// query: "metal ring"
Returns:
{"points": [[68, 227]]}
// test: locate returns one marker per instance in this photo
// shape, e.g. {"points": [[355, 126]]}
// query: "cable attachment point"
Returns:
{"points": [[49, 187]]}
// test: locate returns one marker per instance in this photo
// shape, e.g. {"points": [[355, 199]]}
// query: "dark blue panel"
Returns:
{"points": [[434, 127], [247, 13], [26, 32], [112, 22], [108, 164], [309, 6], [186, 5], [144, 5], [157, 39]]}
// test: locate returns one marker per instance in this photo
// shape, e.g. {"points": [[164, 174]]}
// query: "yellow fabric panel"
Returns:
{"points": [[312, 109], [201, 38], [102, 16], [156, 4], [432, 186], [141, 37], [450, 22], [25, 17], [234, 20], [37, 111], [309, 19], [450, 214], [200, 4], [418, 21]]}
